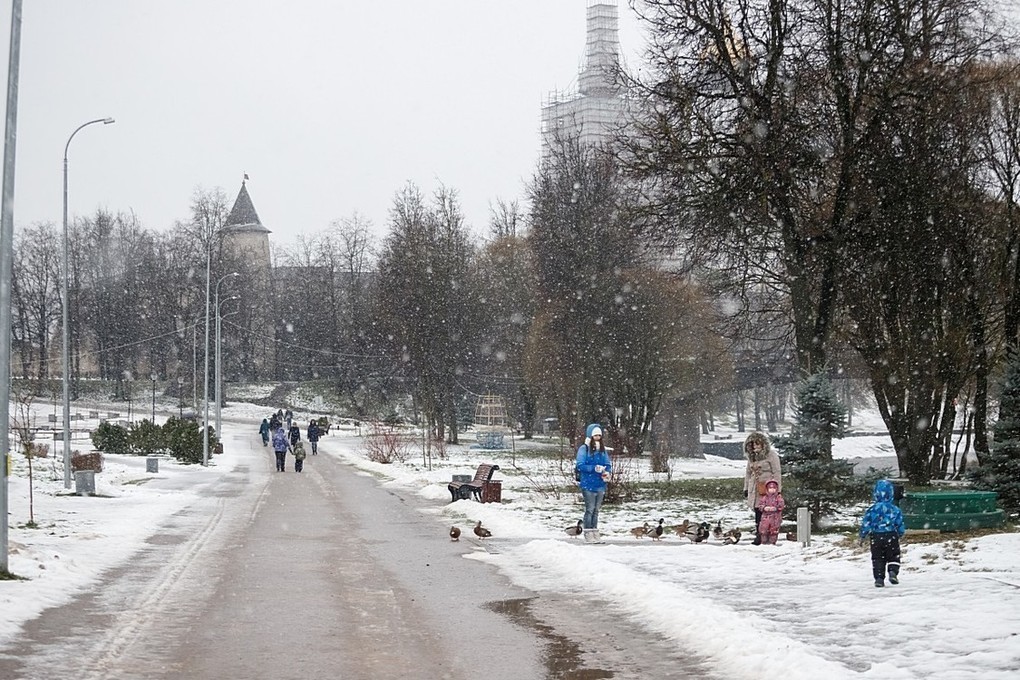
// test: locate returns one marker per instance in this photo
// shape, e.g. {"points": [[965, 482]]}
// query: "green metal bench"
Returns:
{"points": [[951, 510]]}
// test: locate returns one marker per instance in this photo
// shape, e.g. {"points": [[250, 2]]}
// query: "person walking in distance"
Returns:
{"points": [[592, 468], [299, 456], [280, 446], [313, 435]]}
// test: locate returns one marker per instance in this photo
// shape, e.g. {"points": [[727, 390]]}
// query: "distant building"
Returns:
{"points": [[245, 242], [596, 109], [243, 232]]}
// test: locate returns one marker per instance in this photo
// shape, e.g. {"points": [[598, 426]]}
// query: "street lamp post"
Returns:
{"points": [[64, 315], [205, 376], [180, 396], [218, 372], [194, 367], [153, 376]]}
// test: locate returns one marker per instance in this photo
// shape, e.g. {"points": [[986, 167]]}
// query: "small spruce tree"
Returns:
{"points": [[820, 483], [1000, 469]]}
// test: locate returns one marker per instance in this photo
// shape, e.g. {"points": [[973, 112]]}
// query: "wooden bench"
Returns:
{"points": [[465, 490]]}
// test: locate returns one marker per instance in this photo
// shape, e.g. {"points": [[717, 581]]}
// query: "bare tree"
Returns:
{"points": [[580, 238], [36, 296], [505, 220], [825, 149], [918, 284], [352, 259], [728, 156], [507, 289], [23, 425], [427, 298]]}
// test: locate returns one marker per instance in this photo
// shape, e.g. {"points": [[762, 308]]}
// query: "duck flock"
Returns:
{"points": [[695, 532]]}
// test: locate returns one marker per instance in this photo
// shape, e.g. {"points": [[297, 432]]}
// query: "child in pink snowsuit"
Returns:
{"points": [[771, 506]]}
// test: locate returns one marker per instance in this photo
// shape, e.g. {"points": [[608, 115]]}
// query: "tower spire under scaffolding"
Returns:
{"points": [[595, 110]]}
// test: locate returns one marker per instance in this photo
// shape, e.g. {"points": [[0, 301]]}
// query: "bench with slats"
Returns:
{"points": [[465, 490]]}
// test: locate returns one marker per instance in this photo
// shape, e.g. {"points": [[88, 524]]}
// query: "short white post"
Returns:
{"points": [[804, 526]]}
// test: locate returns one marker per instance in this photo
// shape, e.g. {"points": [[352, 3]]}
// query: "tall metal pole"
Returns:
{"points": [[153, 376], [216, 370], [65, 361], [194, 366], [219, 372], [6, 265], [205, 375]]}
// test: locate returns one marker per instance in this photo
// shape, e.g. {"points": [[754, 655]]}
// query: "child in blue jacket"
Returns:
{"points": [[884, 521], [593, 467]]}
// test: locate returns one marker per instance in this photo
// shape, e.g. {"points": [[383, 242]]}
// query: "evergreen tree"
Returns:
{"points": [[820, 483], [1000, 470]]}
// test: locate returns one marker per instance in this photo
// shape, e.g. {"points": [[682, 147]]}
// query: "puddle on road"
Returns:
{"points": [[586, 640], [563, 656], [166, 539]]}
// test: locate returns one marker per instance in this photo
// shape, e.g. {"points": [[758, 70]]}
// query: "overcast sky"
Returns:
{"points": [[330, 106]]}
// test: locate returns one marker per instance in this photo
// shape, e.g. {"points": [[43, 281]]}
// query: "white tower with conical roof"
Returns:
{"points": [[246, 244], [243, 231]]}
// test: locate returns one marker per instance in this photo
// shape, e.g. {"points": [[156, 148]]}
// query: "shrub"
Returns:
{"points": [[110, 438], [621, 486], [146, 437], [385, 445], [183, 439]]}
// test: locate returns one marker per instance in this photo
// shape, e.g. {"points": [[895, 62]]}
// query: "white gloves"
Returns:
{"points": [[600, 468]]}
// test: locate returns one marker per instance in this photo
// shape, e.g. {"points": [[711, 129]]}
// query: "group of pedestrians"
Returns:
{"points": [[763, 486], [284, 433]]}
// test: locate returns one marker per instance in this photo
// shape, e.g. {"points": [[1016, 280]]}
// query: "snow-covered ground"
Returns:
{"points": [[797, 611]]}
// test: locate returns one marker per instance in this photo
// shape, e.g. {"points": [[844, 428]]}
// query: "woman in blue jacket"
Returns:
{"points": [[593, 467]]}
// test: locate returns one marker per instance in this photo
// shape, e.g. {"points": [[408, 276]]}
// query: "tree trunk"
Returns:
{"points": [[913, 444], [981, 407], [740, 411]]}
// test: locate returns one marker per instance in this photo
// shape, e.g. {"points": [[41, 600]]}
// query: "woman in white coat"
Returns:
{"points": [[762, 467]]}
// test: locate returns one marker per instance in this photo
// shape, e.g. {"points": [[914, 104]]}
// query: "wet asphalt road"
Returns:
{"points": [[323, 574]]}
